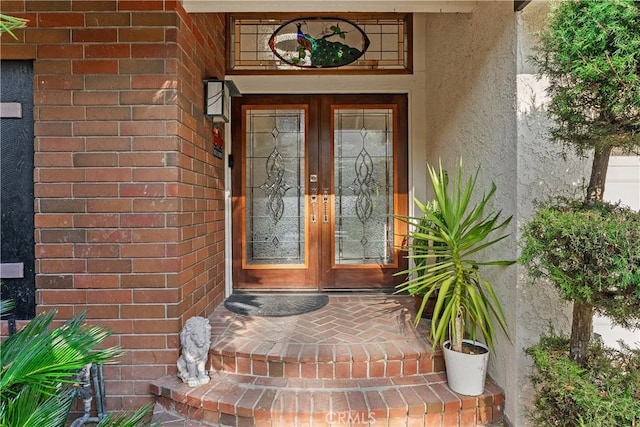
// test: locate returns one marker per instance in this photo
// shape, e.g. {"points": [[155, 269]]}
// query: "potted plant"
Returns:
{"points": [[420, 247], [466, 302]]}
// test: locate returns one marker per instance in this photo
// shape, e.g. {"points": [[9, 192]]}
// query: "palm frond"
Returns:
{"points": [[42, 358], [8, 24]]}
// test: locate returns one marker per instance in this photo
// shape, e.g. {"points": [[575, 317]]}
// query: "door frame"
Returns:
{"points": [[381, 277]]}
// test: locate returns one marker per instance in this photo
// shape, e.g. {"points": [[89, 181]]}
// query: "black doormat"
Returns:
{"points": [[275, 305]]}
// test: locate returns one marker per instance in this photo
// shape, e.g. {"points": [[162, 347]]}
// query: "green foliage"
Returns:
{"points": [[605, 392], [590, 253], [39, 368], [448, 266], [590, 52], [8, 24]]}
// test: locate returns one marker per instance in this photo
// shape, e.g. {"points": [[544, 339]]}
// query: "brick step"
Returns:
{"points": [[244, 400], [373, 360]]}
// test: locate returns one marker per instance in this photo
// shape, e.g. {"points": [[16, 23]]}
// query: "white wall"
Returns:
{"points": [[470, 114], [623, 186]]}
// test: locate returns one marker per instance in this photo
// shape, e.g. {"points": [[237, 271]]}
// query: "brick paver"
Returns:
{"points": [[359, 360]]}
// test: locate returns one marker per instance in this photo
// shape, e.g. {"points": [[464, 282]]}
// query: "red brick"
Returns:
{"points": [[53, 97], [154, 50], [57, 296], [48, 36], [146, 97], [95, 128], [137, 35], [94, 5], [57, 221], [13, 6], [142, 128], [142, 190], [61, 205], [48, 266], [61, 175], [46, 66], [57, 281], [143, 311], [52, 159], [108, 205], [61, 113], [155, 326], [95, 159], [140, 5], [97, 281], [142, 250], [108, 265], [58, 145], [95, 190], [59, 51], [107, 51], [156, 265], [113, 143], [107, 82], [108, 235], [113, 296], [62, 236], [156, 112], [155, 296], [97, 251], [107, 19], [60, 20], [18, 52], [54, 82], [142, 66], [108, 174], [167, 174], [145, 342], [54, 251], [109, 113], [95, 66], [154, 19], [156, 205], [148, 280], [50, 5], [102, 35], [144, 220]]}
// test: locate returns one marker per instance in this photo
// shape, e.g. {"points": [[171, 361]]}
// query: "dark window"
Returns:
{"points": [[16, 205]]}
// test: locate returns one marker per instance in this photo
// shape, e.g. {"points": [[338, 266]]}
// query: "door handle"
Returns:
{"points": [[325, 201], [314, 204]]}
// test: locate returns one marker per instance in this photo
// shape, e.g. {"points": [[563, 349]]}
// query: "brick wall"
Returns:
{"points": [[129, 197]]}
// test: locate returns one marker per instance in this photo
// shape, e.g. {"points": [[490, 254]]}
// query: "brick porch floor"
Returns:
{"points": [[357, 361]]}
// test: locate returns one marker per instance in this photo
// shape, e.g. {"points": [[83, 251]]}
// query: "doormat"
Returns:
{"points": [[274, 305]]}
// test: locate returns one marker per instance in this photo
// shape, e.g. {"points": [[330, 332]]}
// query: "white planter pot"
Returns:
{"points": [[466, 373]]}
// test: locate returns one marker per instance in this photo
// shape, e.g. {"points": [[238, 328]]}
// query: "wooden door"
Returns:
{"points": [[316, 182]]}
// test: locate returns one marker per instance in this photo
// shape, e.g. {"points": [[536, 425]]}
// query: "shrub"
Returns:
{"points": [[590, 253], [605, 392]]}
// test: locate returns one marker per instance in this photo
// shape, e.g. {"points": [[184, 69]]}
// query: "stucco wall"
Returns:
{"points": [[470, 115], [542, 173]]}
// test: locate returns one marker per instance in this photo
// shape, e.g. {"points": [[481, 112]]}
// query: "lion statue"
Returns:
{"points": [[196, 340]]}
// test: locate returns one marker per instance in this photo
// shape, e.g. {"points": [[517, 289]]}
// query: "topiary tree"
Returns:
{"points": [[590, 52]]}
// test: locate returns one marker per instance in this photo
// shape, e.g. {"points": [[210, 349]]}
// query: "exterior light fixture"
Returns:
{"points": [[218, 95]]}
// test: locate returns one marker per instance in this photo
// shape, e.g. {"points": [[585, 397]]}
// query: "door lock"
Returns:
{"points": [[313, 178]]}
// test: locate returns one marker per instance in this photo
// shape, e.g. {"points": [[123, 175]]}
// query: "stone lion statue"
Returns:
{"points": [[196, 340]]}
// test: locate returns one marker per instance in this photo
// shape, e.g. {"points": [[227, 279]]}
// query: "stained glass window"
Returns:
{"points": [[388, 49]]}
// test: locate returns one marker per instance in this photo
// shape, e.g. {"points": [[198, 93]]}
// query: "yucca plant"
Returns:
{"points": [[10, 23], [447, 266], [39, 367]]}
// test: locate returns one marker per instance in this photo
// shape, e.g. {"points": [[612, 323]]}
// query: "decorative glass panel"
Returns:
{"points": [[387, 48], [275, 143], [363, 176]]}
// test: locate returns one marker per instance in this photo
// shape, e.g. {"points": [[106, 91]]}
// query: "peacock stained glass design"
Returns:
{"points": [[319, 42]]}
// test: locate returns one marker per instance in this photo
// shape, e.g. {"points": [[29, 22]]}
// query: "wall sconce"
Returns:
{"points": [[218, 95]]}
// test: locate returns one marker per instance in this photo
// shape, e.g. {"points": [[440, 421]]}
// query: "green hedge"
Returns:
{"points": [[606, 392]]}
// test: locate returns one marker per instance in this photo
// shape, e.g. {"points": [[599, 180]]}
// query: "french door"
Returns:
{"points": [[317, 183]]}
